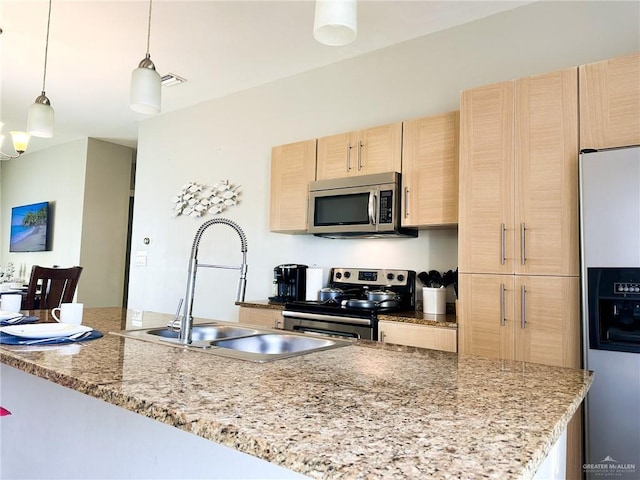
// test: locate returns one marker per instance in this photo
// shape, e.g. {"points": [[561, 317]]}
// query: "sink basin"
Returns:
{"points": [[206, 332], [243, 343], [274, 343]]}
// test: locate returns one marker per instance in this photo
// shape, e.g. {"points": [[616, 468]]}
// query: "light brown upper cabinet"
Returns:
{"points": [[374, 150], [430, 170], [519, 177], [610, 103], [293, 166]]}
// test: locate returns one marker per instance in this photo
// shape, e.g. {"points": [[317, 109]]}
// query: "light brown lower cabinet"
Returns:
{"points": [[414, 335], [528, 318], [264, 317]]}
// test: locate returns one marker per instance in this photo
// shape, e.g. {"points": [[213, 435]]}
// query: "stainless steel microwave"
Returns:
{"points": [[364, 206]]}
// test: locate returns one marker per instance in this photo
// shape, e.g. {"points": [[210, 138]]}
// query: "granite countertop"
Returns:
{"points": [[415, 317], [369, 410]]}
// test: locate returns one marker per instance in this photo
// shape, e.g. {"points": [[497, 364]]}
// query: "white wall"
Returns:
{"points": [[57, 175], [230, 138], [105, 224]]}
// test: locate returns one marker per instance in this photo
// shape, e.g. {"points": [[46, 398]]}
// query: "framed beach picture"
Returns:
{"points": [[30, 228]]}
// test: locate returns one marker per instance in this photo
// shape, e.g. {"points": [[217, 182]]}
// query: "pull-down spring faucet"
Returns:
{"points": [[186, 323]]}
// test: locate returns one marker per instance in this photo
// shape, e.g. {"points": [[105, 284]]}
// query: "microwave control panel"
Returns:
{"points": [[386, 207]]}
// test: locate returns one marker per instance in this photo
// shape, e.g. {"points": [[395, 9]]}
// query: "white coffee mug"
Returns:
{"points": [[11, 302], [69, 313]]}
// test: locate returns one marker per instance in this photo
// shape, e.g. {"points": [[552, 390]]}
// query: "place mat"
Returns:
{"points": [[22, 321], [7, 339]]}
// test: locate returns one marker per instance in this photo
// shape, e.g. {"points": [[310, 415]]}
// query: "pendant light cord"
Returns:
{"points": [[149, 28], [46, 49]]}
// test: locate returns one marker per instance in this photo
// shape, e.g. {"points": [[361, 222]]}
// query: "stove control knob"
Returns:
{"points": [[390, 276], [338, 275], [347, 274], [401, 278]]}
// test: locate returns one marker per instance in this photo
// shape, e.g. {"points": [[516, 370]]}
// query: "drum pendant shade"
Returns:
{"points": [[40, 120], [145, 91], [335, 22]]}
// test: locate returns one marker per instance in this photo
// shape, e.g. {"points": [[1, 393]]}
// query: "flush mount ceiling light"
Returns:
{"points": [[41, 116], [145, 92], [335, 22], [20, 143]]}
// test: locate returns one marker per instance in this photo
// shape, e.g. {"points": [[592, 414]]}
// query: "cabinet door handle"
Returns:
{"points": [[503, 319], [503, 241], [523, 229], [406, 202], [523, 307], [349, 147], [382, 336], [360, 165]]}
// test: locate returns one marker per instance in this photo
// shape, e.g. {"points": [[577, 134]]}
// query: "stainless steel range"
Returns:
{"points": [[350, 305]]}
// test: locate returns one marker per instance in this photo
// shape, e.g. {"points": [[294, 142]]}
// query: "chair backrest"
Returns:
{"points": [[49, 287]]}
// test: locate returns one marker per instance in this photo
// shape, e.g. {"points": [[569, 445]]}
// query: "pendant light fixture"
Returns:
{"points": [[145, 91], [41, 116], [335, 22], [20, 143]]}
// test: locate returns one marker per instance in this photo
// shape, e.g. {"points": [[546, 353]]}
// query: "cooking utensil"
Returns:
{"points": [[328, 293], [361, 303], [382, 295]]}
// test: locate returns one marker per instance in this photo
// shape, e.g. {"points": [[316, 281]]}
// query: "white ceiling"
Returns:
{"points": [[220, 47]]}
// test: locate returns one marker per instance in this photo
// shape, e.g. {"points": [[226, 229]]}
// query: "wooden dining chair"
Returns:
{"points": [[49, 287]]}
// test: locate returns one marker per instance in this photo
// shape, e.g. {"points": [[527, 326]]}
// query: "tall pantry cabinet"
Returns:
{"points": [[518, 230], [518, 241]]}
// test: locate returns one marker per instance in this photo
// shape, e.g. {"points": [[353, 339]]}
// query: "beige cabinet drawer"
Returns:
{"points": [[423, 336]]}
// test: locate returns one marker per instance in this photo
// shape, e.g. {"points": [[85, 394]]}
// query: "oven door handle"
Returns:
{"points": [[329, 318]]}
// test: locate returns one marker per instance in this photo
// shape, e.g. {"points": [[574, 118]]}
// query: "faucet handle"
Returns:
{"points": [[174, 325]]}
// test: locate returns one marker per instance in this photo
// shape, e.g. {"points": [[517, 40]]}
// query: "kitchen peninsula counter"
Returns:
{"points": [[368, 410]]}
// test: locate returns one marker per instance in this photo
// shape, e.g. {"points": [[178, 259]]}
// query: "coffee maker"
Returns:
{"points": [[289, 283]]}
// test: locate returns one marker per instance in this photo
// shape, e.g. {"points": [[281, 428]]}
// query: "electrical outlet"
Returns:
{"points": [[136, 318], [141, 259]]}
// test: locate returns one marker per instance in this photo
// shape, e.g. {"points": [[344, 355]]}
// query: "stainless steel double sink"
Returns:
{"points": [[241, 342]]}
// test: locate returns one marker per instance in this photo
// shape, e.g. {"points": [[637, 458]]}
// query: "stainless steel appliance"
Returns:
{"points": [[289, 283], [363, 293], [610, 234], [357, 207]]}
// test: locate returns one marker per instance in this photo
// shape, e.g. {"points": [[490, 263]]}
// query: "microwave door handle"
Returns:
{"points": [[372, 207]]}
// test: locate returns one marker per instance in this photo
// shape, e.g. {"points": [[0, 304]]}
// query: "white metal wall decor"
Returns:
{"points": [[196, 200]]}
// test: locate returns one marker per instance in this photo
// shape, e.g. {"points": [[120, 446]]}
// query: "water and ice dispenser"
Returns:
{"points": [[614, 309]]}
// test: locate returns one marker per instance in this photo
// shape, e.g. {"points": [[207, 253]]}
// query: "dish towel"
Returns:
{"points": [[25, 319], [7, 339]]}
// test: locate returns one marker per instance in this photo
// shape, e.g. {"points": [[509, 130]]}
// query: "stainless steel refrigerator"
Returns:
{"points": [[610, 236]]}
